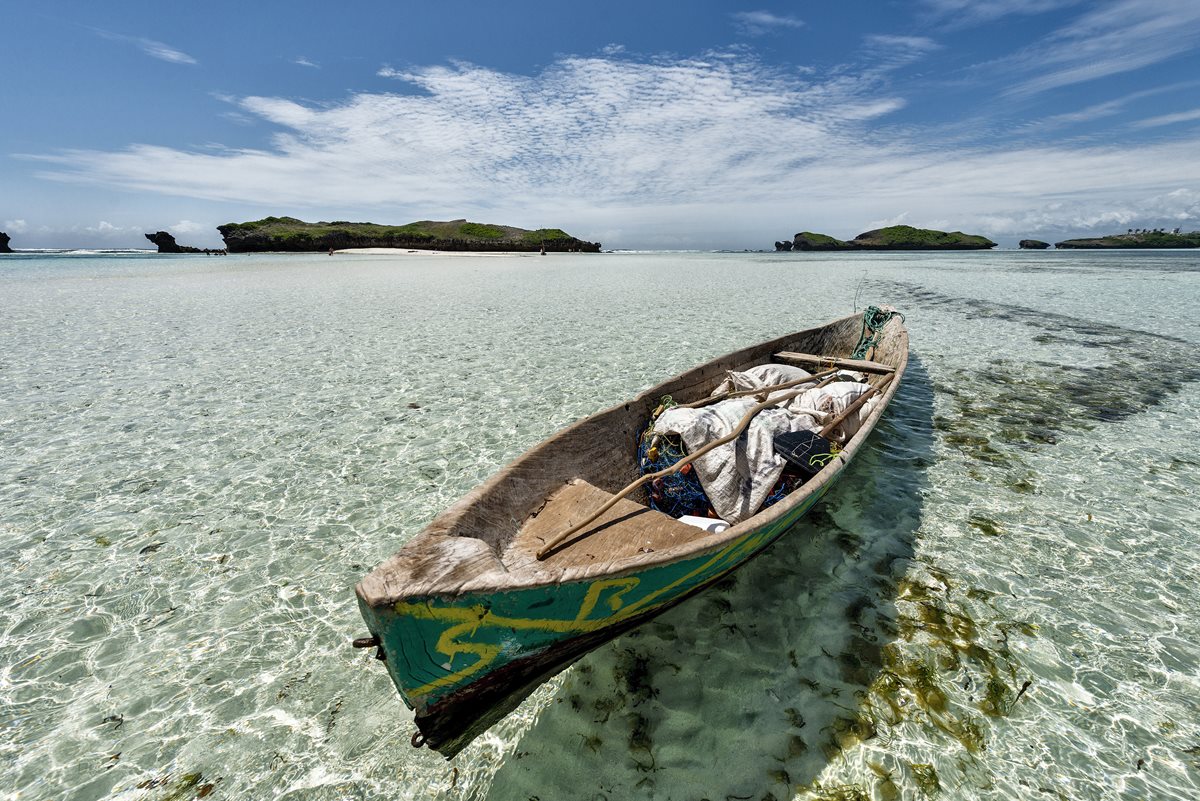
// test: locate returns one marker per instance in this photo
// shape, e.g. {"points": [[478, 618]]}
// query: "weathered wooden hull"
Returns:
{"points": [[467, 630], [463, 663]]}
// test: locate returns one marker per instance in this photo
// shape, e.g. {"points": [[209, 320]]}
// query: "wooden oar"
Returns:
{"points": [[691, 457], [741, 393]]}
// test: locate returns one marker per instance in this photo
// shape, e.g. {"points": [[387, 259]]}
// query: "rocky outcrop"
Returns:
{"points": [[166, 244], [4, 240], [785, 245], [1143, 240], [896, 237], [807, 240], [291, 235], [1033, 244]]}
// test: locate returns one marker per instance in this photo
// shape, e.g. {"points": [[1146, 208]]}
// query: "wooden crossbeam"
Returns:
{"points": [[860, 365]]}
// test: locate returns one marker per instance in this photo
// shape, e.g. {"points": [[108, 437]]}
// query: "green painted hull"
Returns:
{"points": [[463, 662]]}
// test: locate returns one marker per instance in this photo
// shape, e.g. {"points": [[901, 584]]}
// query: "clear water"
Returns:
{"points": [[200, 456]]}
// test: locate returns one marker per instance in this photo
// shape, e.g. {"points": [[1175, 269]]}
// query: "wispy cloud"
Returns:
{"points": [[892, 52], [150, 47], [1108, 108], [304, 62], [15, 226], [1168, 119], [758, 23], [974, 12], [1114, 38], [691, 147]]}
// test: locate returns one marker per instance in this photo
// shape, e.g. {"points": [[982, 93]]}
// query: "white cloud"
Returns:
{"points": [[1112, 38], [187, 227], [1168, 119], [164, 52], [150, 47], [1108, 108], [757, 23], [104, 228], [304, 62], [1176, 208], [918, 43], [890, 221], [890, 52], [15, 226], [658, 151], [974, 12]]}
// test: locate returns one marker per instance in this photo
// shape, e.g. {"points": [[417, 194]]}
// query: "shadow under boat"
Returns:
{"points": [[754, 685]]}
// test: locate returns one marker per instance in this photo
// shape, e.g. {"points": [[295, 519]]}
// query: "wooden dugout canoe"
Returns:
{"points": [[469, 621]]}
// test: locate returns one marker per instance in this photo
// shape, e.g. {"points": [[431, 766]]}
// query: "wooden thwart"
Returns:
{"points": [[861, 365]]}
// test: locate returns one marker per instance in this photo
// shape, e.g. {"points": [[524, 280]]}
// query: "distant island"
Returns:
{"points": [[1135, 238], [1032, 244], [290, 234], [895, 237]]}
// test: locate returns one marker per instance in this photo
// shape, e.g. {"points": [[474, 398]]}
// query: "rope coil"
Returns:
{"points": [[874, 319]]}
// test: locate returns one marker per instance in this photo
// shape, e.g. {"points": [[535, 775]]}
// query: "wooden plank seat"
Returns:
{"points": [[809, 359], [628, 528]]}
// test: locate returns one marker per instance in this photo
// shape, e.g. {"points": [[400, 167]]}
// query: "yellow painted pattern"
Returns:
{"points": [[467, 620]]}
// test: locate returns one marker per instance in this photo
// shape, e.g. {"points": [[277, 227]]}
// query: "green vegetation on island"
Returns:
{"points": [[1135, 238], [895, 237], [292, 235]]}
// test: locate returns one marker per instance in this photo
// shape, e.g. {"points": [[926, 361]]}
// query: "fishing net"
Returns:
{"points": [[676, 494]]}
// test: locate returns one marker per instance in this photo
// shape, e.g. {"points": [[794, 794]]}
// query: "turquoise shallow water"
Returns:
{"points": [[199, 457]]}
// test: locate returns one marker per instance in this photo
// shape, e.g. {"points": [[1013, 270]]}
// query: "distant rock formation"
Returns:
{"points": [[807, 240], [166, 244], [1143, 240], [784, 245], [4, 240], [292, 235], [1033, 244], [896, 237]]}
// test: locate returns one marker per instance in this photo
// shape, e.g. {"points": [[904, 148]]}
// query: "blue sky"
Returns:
{"points": [[684, 125]]}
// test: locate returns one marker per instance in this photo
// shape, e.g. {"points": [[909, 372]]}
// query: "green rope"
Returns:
{"points": [[874, 319]]}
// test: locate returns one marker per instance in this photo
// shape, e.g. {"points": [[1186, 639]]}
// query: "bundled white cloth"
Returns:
{"points": [[738, 476]]}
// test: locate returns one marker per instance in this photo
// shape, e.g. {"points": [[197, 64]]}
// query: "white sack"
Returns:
{"points": [[737, 476]]}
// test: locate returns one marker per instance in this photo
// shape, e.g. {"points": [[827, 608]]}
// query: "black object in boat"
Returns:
{"points": [[807, 451]]}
